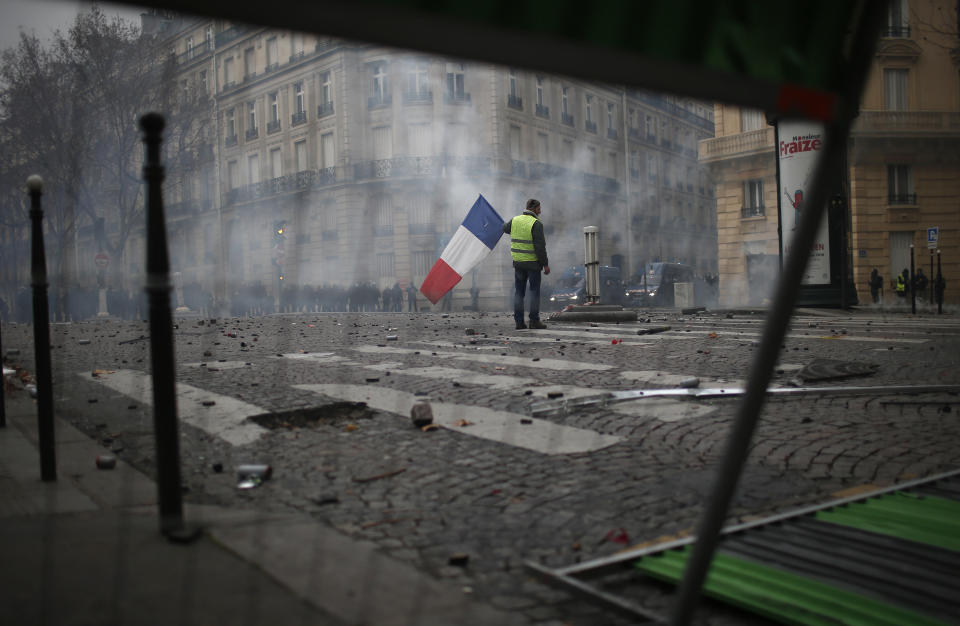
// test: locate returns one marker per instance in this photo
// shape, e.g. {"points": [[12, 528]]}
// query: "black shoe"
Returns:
{"points": [[537, 324], [521, 326]]}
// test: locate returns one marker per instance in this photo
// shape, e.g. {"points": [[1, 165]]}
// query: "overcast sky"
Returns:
{"points": [[42, 17]]}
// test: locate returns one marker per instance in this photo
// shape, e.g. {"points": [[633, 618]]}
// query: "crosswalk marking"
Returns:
{"points": [[225, 419], [500, 426], [554, 364]]}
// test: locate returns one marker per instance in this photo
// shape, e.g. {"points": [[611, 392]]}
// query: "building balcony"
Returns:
{"points": [[739, 145], [906, 124], [542, 111], [252, 133], [422, 96], [566, 118], [273, 126], [590, 127], [665, 143], [379, 100], [456, 98], [634, 133], [909, 199], [300, 117], [514, 101], [901, 32], [296, 56], [751, 211], [611, 133], [325, 109], [230, 140]]}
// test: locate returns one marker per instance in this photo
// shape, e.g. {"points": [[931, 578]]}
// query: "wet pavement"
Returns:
{"points": [[469, 501]]}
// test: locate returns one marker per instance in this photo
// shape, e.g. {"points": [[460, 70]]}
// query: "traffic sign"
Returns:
{"points": [[102, 260], [933, 236]]}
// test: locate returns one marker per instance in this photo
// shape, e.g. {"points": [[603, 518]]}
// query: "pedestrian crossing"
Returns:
{"points": [[477, 365]]}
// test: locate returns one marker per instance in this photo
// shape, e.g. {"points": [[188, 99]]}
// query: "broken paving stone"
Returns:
{"points": [[325, 498], [554, 394], [421, 414], [83, 342]]}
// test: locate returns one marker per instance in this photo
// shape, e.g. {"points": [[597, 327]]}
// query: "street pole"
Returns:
{"points": [[912, 285], [161, 335], [931, 276], [939, 287], [41, 335]]}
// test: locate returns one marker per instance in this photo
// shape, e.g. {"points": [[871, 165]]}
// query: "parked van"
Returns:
{"points": [[654, 287], [571, 288]]}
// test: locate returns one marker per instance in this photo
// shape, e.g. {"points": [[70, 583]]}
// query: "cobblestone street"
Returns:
{"points": [[495, 486]]}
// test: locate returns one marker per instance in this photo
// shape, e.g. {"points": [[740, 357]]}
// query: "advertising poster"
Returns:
{"points": [[800, 145]]}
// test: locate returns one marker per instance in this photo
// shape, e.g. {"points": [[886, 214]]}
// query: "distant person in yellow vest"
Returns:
{"points": [[528, 248], [901, 286]]}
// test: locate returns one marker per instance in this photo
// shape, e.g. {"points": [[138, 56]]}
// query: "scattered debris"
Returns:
{"points": [[373, 380], [554, 394], [106, 461], [526, 420], [325, 498], [369, 479], [421, 414], [459, 559], [391, 337], [83, 342], [712, 335], [430, 427], [689, 383], [829, 369], [252, 475], [463, 423], [13, 352], [208, 402], [351, 427], [217, 467], [617, 535], [691, 310], [470, 331], [652, 330]]}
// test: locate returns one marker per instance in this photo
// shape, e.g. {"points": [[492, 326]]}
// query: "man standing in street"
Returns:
{"points": [[529, 251]]}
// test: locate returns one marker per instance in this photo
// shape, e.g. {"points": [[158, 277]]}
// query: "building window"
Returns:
{"points": [[231, 126], [651, 129], [381, 91], [233, 175], [513, 99], [273, 58], [420, 210], [898, 23], [752, 198], [895, 89], [251, 120], [189, 47], [456, 85], [326, 151], [249, 67], [273, 106], [296, 46], [588, 122], [422, 262], [385, 265], [300, 154], [228, 78], [543, 152], [611, 129], [208, 36], [299, 112], [202, 79], [276, 163], [565, 116], [383, 220], [326, 95], [751, 119], [541, 109], [253, 169], [900, 184]]}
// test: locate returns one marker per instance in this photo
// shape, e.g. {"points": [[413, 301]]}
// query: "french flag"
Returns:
{"points": [[473, 241]]}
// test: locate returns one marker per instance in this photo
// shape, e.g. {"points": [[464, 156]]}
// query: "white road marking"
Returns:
{"points": [[494, 381], [499, 426], [225, 419], [663, 409], [702, 333], [554, 364], [219, 365], [319, 357]]}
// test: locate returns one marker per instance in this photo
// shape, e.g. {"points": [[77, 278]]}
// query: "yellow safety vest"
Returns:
{"points": [[901, 284], [521, 238]]}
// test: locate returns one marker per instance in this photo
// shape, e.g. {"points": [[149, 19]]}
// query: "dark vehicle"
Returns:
{"points": [[571, 288], [655, 286]]}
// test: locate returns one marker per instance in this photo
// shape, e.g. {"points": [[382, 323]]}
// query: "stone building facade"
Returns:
{"points": [[370, 157], [902, 174]]}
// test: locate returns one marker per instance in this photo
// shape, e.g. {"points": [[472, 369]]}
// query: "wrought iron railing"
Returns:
{"points": [[902, 198], [514, 101], [751, 211], [423, 96], [590, 127], [252, 133], [300, 117], [325, 108], [273, 126], [542, 111], [566, 118]]}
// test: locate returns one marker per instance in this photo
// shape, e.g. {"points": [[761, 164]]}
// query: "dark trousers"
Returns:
{"points": [[520, 280]]}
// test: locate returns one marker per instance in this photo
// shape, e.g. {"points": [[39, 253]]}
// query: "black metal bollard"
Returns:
{"points": [[41, 334], [161, 335], [939, 286], [912, 285], [3, 387]]}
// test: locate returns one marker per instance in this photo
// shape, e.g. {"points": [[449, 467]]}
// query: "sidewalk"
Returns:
{"points": [[86, 549]]}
